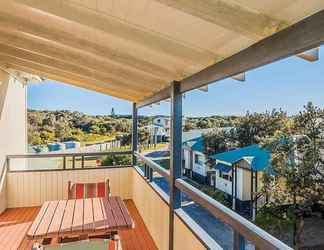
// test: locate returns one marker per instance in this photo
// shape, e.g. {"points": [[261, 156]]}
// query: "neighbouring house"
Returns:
{"points": [[194, 157], [157, 133], [162, 121], [239, 174], [160, 128]]}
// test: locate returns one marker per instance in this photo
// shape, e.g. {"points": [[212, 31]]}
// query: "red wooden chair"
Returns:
{"points": [[88, 190]]}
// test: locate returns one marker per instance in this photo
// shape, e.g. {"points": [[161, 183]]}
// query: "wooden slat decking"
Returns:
{"points": [[14, 224]]}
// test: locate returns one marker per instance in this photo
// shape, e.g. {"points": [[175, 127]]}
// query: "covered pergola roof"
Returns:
{"points": [[134, 49]]}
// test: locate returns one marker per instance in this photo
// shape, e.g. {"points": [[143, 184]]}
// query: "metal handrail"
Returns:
{"points": [[250, 231], [64, 158], [150, 163], [53, 155]]}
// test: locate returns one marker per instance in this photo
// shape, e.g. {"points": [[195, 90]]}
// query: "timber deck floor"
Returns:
{"points": [[14, 223]]}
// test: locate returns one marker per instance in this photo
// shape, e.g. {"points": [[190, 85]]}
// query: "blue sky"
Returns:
{"points": [[287, 84]]}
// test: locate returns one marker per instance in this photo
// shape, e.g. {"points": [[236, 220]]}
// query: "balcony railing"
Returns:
{"points": [[60, 161], [130, 185], [243, 228]]}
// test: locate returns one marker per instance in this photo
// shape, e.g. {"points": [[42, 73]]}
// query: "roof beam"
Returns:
{"points": [[231, 16], [304, 35], [68, 13], [239, 77], [71, 80], [105, 76], [62, 53], [21, 19], [86, 80], [311, 55]]}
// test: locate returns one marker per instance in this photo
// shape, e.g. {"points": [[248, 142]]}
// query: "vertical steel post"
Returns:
{"points": [[238, 241], [145, 170], [252, 191], [64, 162], [73, 162], [82, 161], [134, 134], [235, 192], [175, 155], [150, 174]]}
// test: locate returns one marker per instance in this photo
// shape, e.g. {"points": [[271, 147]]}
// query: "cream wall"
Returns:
{"points": [[13, 132], [155, 213], [26, 189]]}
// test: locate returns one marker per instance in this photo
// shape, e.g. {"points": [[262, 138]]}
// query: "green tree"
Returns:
{"points": [[62, 131], [46, 137], [94, 129], [34, 138], [112, 160], [252, 128], [217, 141], [297, 160]]}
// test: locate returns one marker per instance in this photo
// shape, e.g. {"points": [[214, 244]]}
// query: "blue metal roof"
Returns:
{"points": [[258, 158], [223, 167], [194, 139]]}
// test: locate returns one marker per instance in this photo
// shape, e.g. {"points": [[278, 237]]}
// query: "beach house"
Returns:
{"points": [[239, 174]]}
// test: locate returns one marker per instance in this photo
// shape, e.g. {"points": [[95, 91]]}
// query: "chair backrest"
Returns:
{"points": [[88, 190]]}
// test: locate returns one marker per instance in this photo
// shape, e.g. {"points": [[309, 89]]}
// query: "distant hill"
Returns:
{"points": [[63, 125]]}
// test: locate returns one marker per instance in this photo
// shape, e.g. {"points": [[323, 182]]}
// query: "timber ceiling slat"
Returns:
{"points": [[69, 75], [140, 36], [78, 67], [76, 82], [67, 54], [230, 16], [75, 38], [107, 82], [51, 33]]}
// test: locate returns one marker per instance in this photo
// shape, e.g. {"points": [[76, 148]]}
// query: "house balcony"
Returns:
{"points": [[144, 189]]}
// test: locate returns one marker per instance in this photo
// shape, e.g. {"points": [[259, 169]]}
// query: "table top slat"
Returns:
{"points": [[108, 214], [99, 220], [80, 216], [126, 215], [34, 226], [47, 219], [117, 212], [88, 216], [77, 224], [57, 218], [66, 225]]}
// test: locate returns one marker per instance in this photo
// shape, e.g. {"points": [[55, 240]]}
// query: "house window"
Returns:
{"points": [[225, 176], [196, 159], [199, 159]]}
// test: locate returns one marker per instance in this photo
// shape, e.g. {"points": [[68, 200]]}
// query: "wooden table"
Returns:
{"points": [[65, 218]]}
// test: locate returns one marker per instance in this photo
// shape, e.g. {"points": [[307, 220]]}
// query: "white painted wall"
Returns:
{"points": [[243, 184], [199, 168], [13, 121], [162, 121], [223, 185], [186, 157]]}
